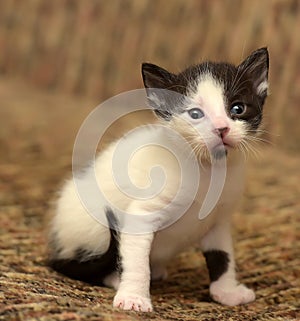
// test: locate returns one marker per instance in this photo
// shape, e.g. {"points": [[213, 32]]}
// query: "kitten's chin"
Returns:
{"points": [[215, 154], [219, 152]]}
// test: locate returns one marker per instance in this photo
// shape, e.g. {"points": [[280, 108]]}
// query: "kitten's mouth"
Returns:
{"points": [[221, 150], [226, 145]]}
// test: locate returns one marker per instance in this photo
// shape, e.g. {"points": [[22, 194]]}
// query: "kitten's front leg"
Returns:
{"points": [[218, 251], [134, 289]]}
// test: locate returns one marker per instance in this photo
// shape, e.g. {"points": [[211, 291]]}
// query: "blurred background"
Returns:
{"points": [[61, 58]]}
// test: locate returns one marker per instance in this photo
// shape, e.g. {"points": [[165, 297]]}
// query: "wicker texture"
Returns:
{"points": [[95, 48]]}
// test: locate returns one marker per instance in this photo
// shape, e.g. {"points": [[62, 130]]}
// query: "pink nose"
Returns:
{"points": [[222, 132]]}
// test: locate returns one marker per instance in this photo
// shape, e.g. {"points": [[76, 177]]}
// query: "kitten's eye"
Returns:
{"points": [[196, 113], [237, 109]]}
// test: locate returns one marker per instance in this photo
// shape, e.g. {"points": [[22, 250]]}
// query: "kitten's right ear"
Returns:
{"points": [[156, 77]]}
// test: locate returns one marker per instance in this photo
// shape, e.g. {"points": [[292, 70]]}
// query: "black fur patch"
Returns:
{"points": [[217, 263], [240, 84], [94, 269], [239, 87]]}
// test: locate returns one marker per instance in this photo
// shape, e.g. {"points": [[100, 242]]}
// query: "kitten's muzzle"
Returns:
{"points": [[222, 132]]}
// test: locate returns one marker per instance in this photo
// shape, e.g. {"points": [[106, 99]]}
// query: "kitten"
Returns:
{"points": [[217, 108]]}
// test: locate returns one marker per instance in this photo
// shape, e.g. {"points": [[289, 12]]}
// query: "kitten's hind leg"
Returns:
{"points": [[218, 251], [86, 265], [112, 280]]}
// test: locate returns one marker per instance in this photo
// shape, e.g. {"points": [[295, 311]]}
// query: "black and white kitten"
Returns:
{"points": [[231, 98]]}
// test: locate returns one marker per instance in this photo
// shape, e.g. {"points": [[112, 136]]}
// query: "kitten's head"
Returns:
{"points": [[214, 105]]}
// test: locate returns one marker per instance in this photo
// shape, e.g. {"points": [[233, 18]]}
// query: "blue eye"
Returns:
{"points": [[196, 113], [237, 109]]}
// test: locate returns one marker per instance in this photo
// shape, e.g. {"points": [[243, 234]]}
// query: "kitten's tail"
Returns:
{"points": [[94, 268]]}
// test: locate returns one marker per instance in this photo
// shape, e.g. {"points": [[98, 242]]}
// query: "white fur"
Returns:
{"points": [[134, 289], [262, 87], [209, 97], [139, 253]]}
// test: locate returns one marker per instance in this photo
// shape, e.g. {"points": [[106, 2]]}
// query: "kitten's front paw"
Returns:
{"points": [[127, 301], [236, 295]]}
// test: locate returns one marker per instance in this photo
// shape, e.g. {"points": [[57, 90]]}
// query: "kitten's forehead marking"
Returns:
{"points": [[209, 95]]}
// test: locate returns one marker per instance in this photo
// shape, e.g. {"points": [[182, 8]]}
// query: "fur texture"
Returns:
{"points": [[224, 103]]}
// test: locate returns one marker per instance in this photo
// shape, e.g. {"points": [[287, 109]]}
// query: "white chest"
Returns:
{"points": [[190, 229]]}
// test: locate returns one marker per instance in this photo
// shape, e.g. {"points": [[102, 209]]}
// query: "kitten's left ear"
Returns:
{"points": [[257, 66]]}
